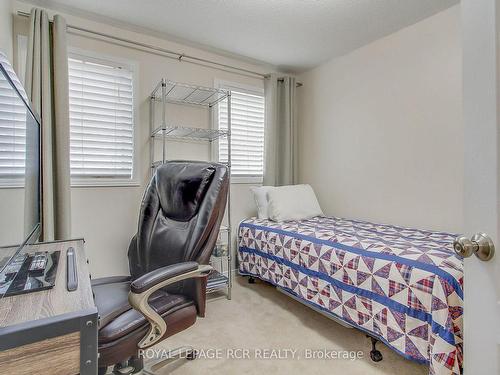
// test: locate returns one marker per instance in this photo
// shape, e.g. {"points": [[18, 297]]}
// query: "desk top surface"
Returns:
{"points": [[52, 302]]}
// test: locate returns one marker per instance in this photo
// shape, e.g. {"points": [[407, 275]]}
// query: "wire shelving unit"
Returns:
{"points": [[161, 131]]}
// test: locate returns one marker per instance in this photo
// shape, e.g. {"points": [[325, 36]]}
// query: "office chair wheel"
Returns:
{"points": [[251, 280], [123, 368], [191, 356], [137, 363]]}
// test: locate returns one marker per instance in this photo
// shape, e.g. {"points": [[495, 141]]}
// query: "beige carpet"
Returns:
{"points": [[259, 317]]}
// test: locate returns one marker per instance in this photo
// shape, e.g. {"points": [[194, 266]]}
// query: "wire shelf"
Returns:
{"points": [[196, 134], [156, 164], [167, 91], [181, 93], [216, 281]]}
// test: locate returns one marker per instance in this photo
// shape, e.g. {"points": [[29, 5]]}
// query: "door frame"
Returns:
{"points": [[480, 35]]}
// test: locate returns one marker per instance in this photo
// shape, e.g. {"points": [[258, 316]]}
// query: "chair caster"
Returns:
{"points": [[251, 280], [376, 356], [137, 363], [123, 368], [191, 356]]}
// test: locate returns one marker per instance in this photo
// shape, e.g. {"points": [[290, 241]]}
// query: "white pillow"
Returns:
{"points": [[260, 196], [293, 202]]}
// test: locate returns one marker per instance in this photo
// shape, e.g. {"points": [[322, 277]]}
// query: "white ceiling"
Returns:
{"points": [[293, 35]]}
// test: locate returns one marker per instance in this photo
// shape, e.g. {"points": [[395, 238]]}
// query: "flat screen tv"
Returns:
{"points": [[20, 192]]}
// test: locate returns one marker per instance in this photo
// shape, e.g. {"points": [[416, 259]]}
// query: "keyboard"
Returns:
{"points": [[29, 272]]}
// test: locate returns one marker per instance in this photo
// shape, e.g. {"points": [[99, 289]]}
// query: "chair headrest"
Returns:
{"points": [[181, 187]]}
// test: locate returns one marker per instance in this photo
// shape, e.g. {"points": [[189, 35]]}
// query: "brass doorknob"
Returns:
{"points": [[480, 244]]}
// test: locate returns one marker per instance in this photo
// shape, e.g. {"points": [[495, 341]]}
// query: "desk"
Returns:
{"points": [[51, 331]]}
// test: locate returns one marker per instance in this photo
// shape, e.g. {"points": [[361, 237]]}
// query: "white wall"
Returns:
{"points": [[381, 128], [107, 216], [6, 28]]}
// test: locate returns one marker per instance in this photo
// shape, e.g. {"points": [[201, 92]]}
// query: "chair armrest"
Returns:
{"points": [[142, 288], [159, 275]]}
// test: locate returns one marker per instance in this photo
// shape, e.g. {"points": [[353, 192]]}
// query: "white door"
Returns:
{"points": [[480, 31]]}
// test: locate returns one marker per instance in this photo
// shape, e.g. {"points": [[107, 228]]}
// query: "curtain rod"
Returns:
{"points": [[297, 84], [76, 30]]}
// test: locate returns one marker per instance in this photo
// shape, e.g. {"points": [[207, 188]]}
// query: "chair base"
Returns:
{"points": [[133, 365], [124, 369], [152, 366]]}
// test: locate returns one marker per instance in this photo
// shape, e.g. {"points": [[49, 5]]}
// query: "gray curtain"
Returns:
{"points": [[281, 139], [47, 87]]}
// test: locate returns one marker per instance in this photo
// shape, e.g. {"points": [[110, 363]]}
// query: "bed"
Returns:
{"points": [[402, 286]]}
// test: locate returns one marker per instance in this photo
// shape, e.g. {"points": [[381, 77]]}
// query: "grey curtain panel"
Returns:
{"points": [[281, 133], [47, 87]]}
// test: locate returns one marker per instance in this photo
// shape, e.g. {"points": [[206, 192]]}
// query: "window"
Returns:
{"points": [[101, 104], [247, 133], [12, 133]]}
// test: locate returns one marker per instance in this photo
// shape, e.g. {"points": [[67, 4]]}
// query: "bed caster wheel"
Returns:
{"points": [[191, 356], [251, 280], [376, 356]]}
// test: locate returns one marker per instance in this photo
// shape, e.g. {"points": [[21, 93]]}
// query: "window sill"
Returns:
{"points": [[246, 180], [11, 186], [96, 183], [82, 184]]}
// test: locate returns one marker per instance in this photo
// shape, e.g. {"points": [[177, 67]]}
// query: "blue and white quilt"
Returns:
{"points": [[401, 285]]}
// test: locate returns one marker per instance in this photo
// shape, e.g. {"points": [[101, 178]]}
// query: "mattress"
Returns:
{"points": [[400, 285]]}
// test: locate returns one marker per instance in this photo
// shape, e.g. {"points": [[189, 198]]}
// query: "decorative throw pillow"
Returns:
{"points": [[260, 196]]}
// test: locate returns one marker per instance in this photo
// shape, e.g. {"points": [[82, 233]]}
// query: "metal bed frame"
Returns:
{"points": [[375, 354]]}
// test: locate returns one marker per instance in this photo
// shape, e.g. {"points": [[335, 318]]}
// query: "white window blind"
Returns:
{"points": [[247, 133], [101, 118], [12, 131]]}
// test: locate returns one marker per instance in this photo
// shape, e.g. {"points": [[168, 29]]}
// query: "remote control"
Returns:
{"points": [[71, 272], [38, 262]]}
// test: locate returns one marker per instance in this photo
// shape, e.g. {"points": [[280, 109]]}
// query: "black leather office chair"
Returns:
{"points": [[179, 222]]}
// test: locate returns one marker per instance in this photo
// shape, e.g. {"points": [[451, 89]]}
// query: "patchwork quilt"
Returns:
{"points": [[402, 286]]}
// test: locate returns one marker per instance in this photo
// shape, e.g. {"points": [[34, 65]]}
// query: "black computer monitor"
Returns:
{"points": [[20, 169]]}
